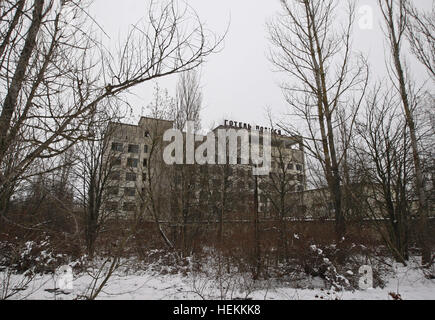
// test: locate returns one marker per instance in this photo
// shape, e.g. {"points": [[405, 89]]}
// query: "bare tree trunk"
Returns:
{"points": [[10, 102], [319, 61], [396, 29]]}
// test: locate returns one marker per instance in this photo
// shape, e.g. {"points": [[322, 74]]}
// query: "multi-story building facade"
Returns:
{"points": [[130, 150], [137, 155]]}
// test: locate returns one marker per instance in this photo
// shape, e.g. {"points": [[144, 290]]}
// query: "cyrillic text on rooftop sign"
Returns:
{"points": [[244, 125]]}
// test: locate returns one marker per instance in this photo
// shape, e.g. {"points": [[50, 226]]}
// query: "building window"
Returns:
{"points": [[114, 175], [133, 148], [290, 166], [130, 192], [129, 206], [132, 163], [145, 148], [146, 134], [113, 191], [116, 146], [116, 161], [144, 176], [130, 176], [299, 167], [112, 205], [145, 162]]}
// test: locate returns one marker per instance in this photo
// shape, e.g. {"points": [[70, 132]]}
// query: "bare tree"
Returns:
{"points": [[188, 103], [395, 17], [280, 188], [385, 170], [54, 73], [188, 100], [155, 196], [314, 50], [95, 169], [420, 33]]}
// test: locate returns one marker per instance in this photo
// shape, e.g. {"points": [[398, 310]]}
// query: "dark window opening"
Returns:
{"points": [[113, 191], [116, 146], [112, 205], [130, 192], [133, 148], [131, 162], [130, 176], [114, 175], [129, 206], [116, 161]]}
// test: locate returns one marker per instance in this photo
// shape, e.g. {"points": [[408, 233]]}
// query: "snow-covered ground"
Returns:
{"points": [[410, 282]]}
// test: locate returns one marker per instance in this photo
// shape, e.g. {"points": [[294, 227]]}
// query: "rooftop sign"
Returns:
{"points": [[243, 125]]}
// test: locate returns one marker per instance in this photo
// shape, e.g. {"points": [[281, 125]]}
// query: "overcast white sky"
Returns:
{"points": [[238, 83]]}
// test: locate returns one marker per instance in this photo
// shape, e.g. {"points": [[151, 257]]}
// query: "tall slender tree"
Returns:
{"points": [[315, 51], [396, 19]]}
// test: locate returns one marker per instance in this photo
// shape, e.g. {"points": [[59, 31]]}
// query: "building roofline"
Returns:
{"points": [[137, 125], [123, 123], [151, 118]]}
